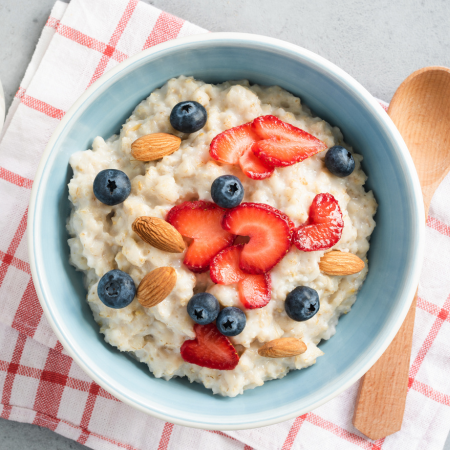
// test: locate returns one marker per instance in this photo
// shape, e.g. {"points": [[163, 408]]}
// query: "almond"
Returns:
{"points": [[282, 348], [156, 286], [154, 146], [340, 263], [159, 233]]}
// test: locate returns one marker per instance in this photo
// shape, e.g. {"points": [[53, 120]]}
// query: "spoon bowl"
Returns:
{"points": [[421, 111]]}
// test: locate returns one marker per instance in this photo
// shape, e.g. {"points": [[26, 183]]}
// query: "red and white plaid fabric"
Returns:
{"points": [[39, 382]]}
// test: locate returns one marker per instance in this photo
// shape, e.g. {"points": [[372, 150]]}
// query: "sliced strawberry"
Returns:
{"points": [[254, 290], [234, 146], [228, 147], [323, 229], [200, 221], [269, 232], [210, 349], [281, 214], [253, 167], [281, 143], [225, 266]]}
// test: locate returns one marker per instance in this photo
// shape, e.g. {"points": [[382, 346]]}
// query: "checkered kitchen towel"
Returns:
{"points": [[39, 382]]}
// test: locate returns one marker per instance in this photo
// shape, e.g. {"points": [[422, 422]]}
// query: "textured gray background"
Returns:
{"points": [[378, 42]]}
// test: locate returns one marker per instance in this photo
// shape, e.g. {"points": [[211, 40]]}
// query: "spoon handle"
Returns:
{"points": [[382, 392]]}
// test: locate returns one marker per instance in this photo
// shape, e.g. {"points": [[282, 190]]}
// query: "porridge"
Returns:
{"points": [[263, 300]]}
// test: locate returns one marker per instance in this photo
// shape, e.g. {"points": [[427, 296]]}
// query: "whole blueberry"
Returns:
{"points": [[302, 303], [188, 117], [227, 191], [203, 308], [116, 289], [339, 161], [112, 186], [231, 321]]}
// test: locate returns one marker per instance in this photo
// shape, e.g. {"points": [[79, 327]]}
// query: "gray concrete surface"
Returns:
{"points": [[378, 42]]}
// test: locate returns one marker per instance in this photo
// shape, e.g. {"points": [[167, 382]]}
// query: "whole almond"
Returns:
{"points": [[282, 348], [154, 146], [156, 286], [340, 263], [159, 233]]}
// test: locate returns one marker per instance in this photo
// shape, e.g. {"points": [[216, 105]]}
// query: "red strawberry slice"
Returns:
{"points": [[225, 266], [281, 213], [210, 349], [254, 290], [234, 146], [281, 143], [253, 167], [200, 221], [323, 229], [269, 232], [228, 147]]}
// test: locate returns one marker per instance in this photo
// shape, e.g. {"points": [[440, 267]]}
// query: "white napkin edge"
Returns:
{"points": [[2, 106], [57, 12]]}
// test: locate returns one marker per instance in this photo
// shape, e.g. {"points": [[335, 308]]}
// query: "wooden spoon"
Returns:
{"points": [[421, 111]]}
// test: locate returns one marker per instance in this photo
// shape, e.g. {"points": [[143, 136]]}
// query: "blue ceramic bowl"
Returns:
{"points": [[396, 245]]}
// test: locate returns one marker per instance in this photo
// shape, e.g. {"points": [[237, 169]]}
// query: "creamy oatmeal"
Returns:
{"points": [[102, 238]]}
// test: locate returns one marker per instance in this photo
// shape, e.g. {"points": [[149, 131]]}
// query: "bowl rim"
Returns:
{"points": [[268, 43]]}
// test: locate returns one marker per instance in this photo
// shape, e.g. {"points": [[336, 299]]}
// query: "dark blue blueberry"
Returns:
{"points": [[116, 289], [227, 191], [188, 117], [203, 308], [302, 303], [231, 321], [339, 161], [112, 186]]}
